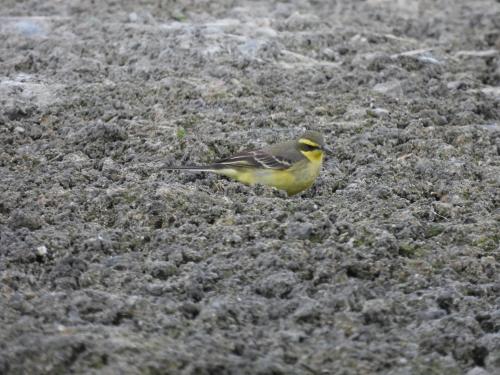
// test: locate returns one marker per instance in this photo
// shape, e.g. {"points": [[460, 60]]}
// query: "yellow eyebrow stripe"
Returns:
{"points": [[308, 142]]}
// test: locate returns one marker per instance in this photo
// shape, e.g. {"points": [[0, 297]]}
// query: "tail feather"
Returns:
{"points": [[194, 168]]}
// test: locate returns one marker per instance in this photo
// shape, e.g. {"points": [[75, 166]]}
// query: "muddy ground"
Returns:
{"points": [[110, 264]]}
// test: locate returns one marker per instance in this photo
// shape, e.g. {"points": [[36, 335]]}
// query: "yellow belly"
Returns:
{"points": [[293, 180]]}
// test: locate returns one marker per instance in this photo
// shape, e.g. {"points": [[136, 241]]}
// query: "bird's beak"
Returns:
{"points": [[327, 150]]}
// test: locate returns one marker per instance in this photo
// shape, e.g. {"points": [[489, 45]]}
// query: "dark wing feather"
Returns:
{"points": [[256, 159]]}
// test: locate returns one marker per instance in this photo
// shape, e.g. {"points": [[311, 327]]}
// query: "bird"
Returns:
{"points": [[292, 166]]}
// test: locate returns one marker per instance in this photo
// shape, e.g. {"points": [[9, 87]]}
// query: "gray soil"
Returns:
{"points": [[110, 264]]}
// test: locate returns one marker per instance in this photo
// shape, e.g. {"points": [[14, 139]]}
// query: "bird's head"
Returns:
{"points": [[312, 145]]}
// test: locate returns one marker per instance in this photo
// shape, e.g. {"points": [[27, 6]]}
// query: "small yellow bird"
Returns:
{"points": [[290, 166]]}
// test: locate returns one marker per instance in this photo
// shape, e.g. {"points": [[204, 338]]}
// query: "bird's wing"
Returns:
{"points": [[256, 159]]}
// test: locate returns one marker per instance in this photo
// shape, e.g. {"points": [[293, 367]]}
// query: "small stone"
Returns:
{"points": [[232, 238], [378, 112], [133, 17], [432, 314], [456, 85], [155, 289], [329, 54], [41, 250], [60, 328]]}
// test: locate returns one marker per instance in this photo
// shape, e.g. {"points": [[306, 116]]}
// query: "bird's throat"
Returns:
{"points": [[315, 156]]}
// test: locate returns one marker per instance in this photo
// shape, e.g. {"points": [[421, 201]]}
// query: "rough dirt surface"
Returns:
{"points": [[109, 264]]}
